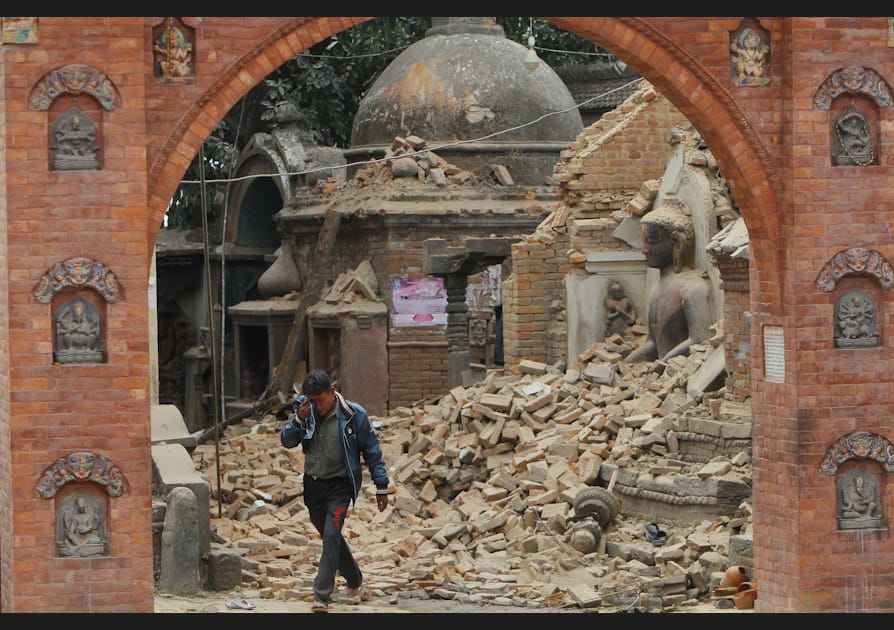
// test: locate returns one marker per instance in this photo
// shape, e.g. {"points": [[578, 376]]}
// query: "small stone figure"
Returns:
{"points": [[853, 144], [855, 320], [174, 55], [680, 301], [750, 58], [620, 313], [81, 527], [75, 142], [859, 502], [82, 523], [78, 333]]}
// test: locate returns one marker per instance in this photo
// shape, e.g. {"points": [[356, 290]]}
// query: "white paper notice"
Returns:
{"points": [[774, 353]]}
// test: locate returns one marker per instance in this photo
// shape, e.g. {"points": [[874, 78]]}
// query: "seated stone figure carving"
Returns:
{"points": [[859, 500], [680, 301], [620, 311]]}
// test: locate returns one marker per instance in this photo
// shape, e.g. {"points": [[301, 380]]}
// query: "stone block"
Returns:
{"points": [[224, 569], [172, 467]]}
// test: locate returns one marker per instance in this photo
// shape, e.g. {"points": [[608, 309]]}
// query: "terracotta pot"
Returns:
{"points": [[744, 598], [734, 576]]}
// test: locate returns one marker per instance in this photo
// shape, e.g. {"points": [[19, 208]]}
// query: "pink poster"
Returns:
{"points": [[418, 302]]}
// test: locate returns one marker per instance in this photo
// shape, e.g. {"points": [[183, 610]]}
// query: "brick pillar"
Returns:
{"points": [[49, 411], [736, 324]]}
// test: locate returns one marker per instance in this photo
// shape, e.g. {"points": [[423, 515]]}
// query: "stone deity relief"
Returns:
{"points": [[856, 320], [81, 527], [749, 58], [858, 501], [620, 312], [852, 139], [78, 333], [174, 55], [74, 142], [477, 332]]}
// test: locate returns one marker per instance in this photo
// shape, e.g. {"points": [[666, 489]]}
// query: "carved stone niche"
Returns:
{"points": [[78, 331], [856, 320], [74, 142], [853, 459], [80, 484], [173, 45], [749, 54], [81, 522], [854, 135], [858, 500]]}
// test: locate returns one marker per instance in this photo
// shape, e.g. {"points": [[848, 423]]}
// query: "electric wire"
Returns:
{"points": [[210, 306], [427, 149]]}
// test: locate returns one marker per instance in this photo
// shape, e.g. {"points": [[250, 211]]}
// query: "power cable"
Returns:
{"points": [[428, 149]]}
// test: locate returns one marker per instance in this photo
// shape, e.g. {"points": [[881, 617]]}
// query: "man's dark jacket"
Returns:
{"points": [[358, 437]]}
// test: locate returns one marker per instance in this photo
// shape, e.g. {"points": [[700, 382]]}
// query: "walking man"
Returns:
{"points": [[333, 432]]}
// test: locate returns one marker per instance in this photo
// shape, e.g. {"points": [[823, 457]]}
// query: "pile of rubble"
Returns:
{"points": [[487, 482], [408, 159]]}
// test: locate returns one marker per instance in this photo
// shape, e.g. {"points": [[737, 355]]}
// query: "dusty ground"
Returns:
{"points": [[210, 602]]}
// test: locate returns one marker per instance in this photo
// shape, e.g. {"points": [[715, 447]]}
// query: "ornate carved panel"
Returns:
{"points": [[74, 78], [854, 80], [81, 530], [853, 140], [78, 338], [81, 466], [855, 261], [858, 445], [858, 500], [856, 320], [78, 272], [20, 30]]}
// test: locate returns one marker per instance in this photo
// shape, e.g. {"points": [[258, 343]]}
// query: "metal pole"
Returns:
{"points": [[214, 367]]}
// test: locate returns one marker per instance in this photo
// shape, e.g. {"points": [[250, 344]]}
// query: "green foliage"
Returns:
{"points": [[327, 83]]}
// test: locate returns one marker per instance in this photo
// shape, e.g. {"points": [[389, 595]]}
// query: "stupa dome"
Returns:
{"points": [[465, 81]]}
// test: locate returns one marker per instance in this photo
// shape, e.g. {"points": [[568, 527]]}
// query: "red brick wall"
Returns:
{"points": [[6, 538], [600, 171], [52, 410]]}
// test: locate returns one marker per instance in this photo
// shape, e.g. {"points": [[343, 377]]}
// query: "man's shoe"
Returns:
{"points": [[319, 607], [352, 591]]}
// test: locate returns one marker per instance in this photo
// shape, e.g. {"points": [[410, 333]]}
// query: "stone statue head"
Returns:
{"points": [[668, 233]]}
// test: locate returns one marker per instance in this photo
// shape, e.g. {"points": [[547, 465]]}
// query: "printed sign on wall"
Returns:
{"points": [[418, 302]]}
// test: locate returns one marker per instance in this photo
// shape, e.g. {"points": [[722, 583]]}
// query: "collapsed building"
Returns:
{"points": [[567, 476], [464, 79]]}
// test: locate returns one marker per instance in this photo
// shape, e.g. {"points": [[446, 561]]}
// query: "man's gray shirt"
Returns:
{"points": [[323, 454]]}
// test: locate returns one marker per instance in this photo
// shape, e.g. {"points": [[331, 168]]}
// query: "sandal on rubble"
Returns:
{"points": [[319, 607]]}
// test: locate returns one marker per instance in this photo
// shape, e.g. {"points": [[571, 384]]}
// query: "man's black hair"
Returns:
{"points": [[316, 382]]}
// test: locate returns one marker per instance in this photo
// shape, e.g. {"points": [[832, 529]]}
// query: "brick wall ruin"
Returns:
{"points": [[600, 172]]}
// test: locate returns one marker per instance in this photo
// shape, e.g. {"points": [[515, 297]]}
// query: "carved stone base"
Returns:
{"points": [[864, 342], [75, 164], [860, 523], [81, 551], [86, 356]]}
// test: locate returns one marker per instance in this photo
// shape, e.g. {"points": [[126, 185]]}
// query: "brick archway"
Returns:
{"points": [[657, 57]]}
